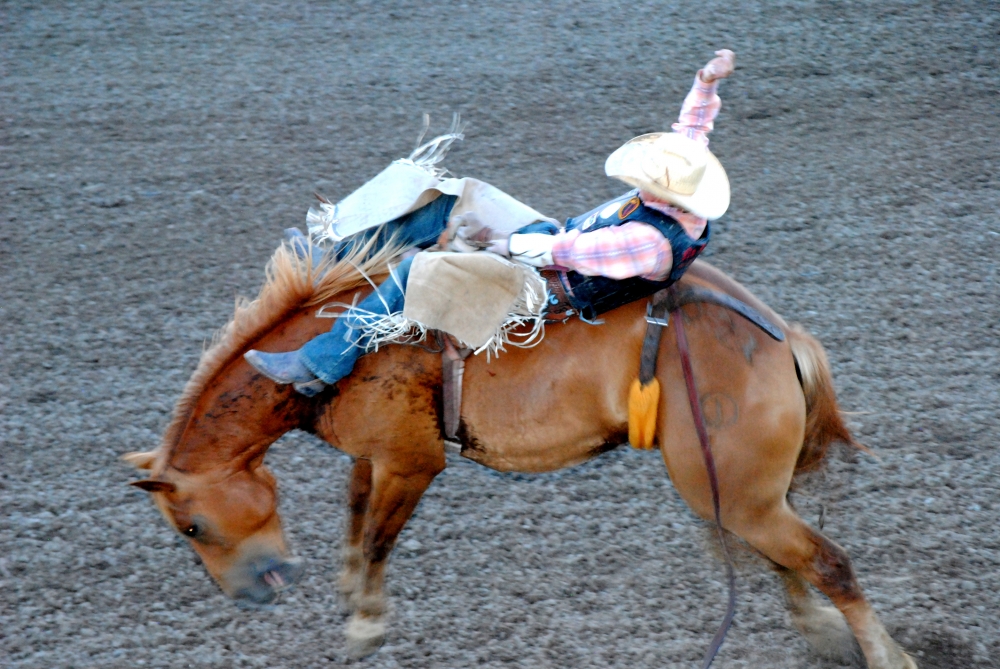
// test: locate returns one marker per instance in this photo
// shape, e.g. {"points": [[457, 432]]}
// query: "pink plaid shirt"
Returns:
{"points": [[638, 249]]}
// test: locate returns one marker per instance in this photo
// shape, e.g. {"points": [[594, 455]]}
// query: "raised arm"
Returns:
{"points": [[702, 103]]}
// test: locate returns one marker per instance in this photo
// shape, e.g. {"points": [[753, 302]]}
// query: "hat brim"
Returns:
{"points": [[710, 199]]}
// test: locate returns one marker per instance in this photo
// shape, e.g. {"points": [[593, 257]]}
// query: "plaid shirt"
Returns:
{"points": [[700, 108], [637, 249]]}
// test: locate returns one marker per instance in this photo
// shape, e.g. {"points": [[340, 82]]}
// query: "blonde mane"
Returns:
{"points": [[291, 283]]}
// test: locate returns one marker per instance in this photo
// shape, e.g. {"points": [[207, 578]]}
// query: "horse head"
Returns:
{"points": [[208, 476], [210, 482], [229, 515]]}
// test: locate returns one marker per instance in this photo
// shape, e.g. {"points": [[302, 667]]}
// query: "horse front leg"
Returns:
{"points": [[353, 555], [397, 487]]}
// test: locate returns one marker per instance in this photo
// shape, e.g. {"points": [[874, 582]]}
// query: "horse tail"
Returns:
{"points": [[824, 422]]}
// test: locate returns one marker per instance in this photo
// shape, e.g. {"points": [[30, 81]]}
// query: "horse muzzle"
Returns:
{"points": [[266, 578]]}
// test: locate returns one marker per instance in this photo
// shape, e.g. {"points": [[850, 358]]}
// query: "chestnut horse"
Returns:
{"points": [[536, 410]]}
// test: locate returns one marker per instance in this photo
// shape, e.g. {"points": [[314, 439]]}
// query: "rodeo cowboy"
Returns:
{"points": [[622, 251]]}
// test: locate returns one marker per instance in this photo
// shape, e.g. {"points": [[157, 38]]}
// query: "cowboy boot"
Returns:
{"points": [[285, 368]]}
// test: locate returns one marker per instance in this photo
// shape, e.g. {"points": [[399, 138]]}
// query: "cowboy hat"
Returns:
{"points": [[675, 168]]}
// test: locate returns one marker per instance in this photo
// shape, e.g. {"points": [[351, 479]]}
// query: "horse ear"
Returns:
{"points": [[149, 485], [140, 459]]}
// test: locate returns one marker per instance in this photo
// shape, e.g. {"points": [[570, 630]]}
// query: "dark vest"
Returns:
{"points": [[594, 295]]}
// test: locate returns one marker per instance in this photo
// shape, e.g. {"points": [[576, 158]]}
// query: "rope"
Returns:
{"points": [[706, 450]]}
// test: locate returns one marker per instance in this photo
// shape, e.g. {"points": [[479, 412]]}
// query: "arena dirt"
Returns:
{"points": [[150, 157]]}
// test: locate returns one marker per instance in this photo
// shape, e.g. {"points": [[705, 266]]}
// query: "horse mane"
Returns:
{"points": [[292, 282]]}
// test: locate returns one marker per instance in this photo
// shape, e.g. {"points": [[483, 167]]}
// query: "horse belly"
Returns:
{"points": [[537, 452], [555, 405]]}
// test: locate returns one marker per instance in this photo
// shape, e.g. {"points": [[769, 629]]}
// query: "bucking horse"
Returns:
{"points": [[554, 406]]}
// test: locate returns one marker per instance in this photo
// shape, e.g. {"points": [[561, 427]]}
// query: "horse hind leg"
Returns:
{"points": [[788, 541], [393, 498], [353, 555], [824, 627]]}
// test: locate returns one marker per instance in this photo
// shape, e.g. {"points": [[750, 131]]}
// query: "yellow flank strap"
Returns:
{"points": [[643, 401]]}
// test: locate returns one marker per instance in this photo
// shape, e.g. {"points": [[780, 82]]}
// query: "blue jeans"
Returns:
{"points": [[331, 356], [420, 228]]}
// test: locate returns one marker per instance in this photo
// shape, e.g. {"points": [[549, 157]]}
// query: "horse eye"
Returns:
{"points": [[191, 531]]}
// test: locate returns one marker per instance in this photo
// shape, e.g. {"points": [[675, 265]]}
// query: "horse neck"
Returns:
{"points": [[240, 413]]}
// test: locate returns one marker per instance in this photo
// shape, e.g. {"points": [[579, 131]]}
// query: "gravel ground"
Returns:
{"points": [[149, 158]]}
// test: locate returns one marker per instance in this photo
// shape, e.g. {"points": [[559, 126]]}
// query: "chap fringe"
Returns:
{"points": [[380, 329]]}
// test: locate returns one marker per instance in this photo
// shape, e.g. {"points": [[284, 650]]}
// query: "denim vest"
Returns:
{"points": [[594, 295]]}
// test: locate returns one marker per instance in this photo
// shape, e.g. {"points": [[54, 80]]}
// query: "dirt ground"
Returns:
{"points": [[150, 157]]}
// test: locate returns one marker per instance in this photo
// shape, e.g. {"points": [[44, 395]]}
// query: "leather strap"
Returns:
{"points": [[559, 309], [452, 371], [676, 297], [713, 479], [656, 316]]}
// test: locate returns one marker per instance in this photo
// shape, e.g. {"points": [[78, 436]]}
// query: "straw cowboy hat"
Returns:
{"points": [[674, 168]]}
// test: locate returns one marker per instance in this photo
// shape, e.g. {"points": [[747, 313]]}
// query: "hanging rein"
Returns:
{"points": [[668, 303]]}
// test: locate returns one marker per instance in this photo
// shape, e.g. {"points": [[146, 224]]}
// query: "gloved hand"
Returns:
{"points": [[500, 246], [472, 235], [533, 248], [718, 68]]}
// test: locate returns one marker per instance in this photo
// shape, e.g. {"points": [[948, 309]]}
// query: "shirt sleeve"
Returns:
{"points": [[700, 108], [620, 252]]}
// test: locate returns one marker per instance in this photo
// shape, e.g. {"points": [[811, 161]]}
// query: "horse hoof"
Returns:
{"points": [[364, 635], [826, 630]]}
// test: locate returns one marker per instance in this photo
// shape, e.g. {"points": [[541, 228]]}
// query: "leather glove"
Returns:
{"points": [[472, 235], [533, 249]]}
